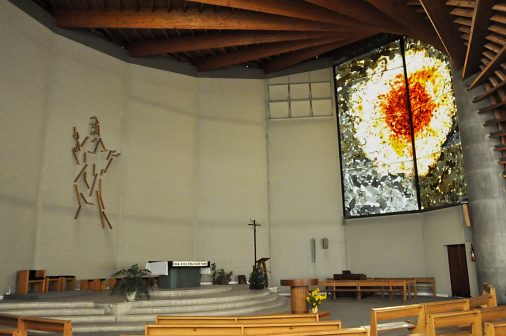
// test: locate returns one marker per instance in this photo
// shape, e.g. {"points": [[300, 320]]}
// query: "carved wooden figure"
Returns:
{"points": [[92, 156]]}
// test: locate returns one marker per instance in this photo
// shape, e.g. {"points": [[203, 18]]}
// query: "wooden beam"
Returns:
{"points": [[254, 53], [413, 22], [489, 69], [294, 9], [189, 19], [361, 11], [296, 57], [477, 36], [445, 29], [215, 40]]}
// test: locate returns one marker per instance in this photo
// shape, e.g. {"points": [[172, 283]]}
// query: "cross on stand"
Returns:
{"points": [[254, 224]]}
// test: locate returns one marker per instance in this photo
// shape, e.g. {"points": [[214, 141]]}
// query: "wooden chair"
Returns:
{"points": [[495, 329], [396, 313], [457, 320], [31, 281], [69, 282], [53, 283]]}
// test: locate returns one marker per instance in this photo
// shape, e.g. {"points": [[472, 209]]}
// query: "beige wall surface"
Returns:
{"points": [[24, 66], [232, 173], [305, 199]]}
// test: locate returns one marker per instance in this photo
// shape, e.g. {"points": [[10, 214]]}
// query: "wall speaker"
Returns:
{"points": [[313, 250], [325, 243]]}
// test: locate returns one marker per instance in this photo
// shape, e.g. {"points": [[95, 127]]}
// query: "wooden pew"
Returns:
{"points": [[10, 332], [488, 298], [446, 306], [361, 331], [495, 329], [396, 313], [457, 320], [266, 319], [31, 279], [369, 285], [240, 329], [490, 314], [27, 323]]}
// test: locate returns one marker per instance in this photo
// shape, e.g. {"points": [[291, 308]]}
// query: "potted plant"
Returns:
{"points": [[257, 279], [132, 282], [220, 277]]}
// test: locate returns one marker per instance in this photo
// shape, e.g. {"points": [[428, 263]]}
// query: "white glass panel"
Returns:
{"points": [[299, 91], [278, 92], [322, 107], [300, 108], [278, 110], [320, 90]]}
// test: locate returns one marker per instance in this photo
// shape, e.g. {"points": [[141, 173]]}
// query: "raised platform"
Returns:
{"points": [[100, 312]]}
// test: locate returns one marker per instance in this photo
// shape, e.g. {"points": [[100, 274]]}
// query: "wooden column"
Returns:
{"points": [[299, 291]]}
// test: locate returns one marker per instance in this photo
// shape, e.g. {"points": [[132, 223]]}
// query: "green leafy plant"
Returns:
{"points": [[132, 280], [220, 277], [257, 279]]}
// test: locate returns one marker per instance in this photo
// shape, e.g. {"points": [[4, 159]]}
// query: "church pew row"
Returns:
{"points": [[223, 320], [369, 285], [456, 320], [416, 311], [10, 332], [495, 329], [23, 324], [240, 329]]}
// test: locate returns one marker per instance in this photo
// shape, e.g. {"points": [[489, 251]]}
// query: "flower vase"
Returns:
{"points": [[314, 309]]}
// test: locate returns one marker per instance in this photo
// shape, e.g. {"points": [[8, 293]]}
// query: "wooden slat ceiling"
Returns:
{"points": [[276, 34]]}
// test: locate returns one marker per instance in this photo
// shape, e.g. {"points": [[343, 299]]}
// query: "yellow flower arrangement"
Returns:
{"points": [[315, 298]]}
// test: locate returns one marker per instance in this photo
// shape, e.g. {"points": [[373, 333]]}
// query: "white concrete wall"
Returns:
{"points": [[305, 198]]}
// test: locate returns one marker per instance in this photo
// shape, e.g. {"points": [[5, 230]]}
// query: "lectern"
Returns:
{"points": [[299, 289]]}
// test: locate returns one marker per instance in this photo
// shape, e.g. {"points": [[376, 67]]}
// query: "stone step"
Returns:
{"points": [[56, 312], [241, 296], [281, 305], [203, 290], [148, 313], [37, 305], [86, 318]]}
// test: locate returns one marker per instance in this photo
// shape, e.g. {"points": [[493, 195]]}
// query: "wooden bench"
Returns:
{"points": [[397, 313], [25, 323], [31, 281], [446, 306], [361, 286], [11, 332], [54, 283], [495, 329], [360, 331], [95, 285], [490, 314], [486, 299], [240, 329], [223, 320], [457, 320], [414, 283]]}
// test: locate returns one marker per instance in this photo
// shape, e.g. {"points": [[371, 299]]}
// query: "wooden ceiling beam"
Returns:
{"points": [[261, 51], [413, 22], [477, 36], [291, 8], [189, 19], [489, 69], [215, 40], [361, 11], [448, 34], [299, 56]]}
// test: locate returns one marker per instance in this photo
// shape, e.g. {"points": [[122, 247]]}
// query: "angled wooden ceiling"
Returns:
{"points": [[276, 34]]}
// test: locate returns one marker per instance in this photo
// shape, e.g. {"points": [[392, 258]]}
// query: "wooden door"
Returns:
{"points": [[458, 270]]}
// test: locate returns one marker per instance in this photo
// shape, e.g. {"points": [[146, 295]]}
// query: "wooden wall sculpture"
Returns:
{"points": [[94, 160]]}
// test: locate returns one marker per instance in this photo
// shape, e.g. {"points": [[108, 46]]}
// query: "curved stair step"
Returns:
{"points": [[45, 305], [54, 312], [86, 318], [246, 295], [204, 290]]}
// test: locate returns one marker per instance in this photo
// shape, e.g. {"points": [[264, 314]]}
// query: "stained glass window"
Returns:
{"points": [[400, 149]]}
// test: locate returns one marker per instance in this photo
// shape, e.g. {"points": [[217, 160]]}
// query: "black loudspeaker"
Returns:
{"points": [[313, 250], [325, 243]]}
